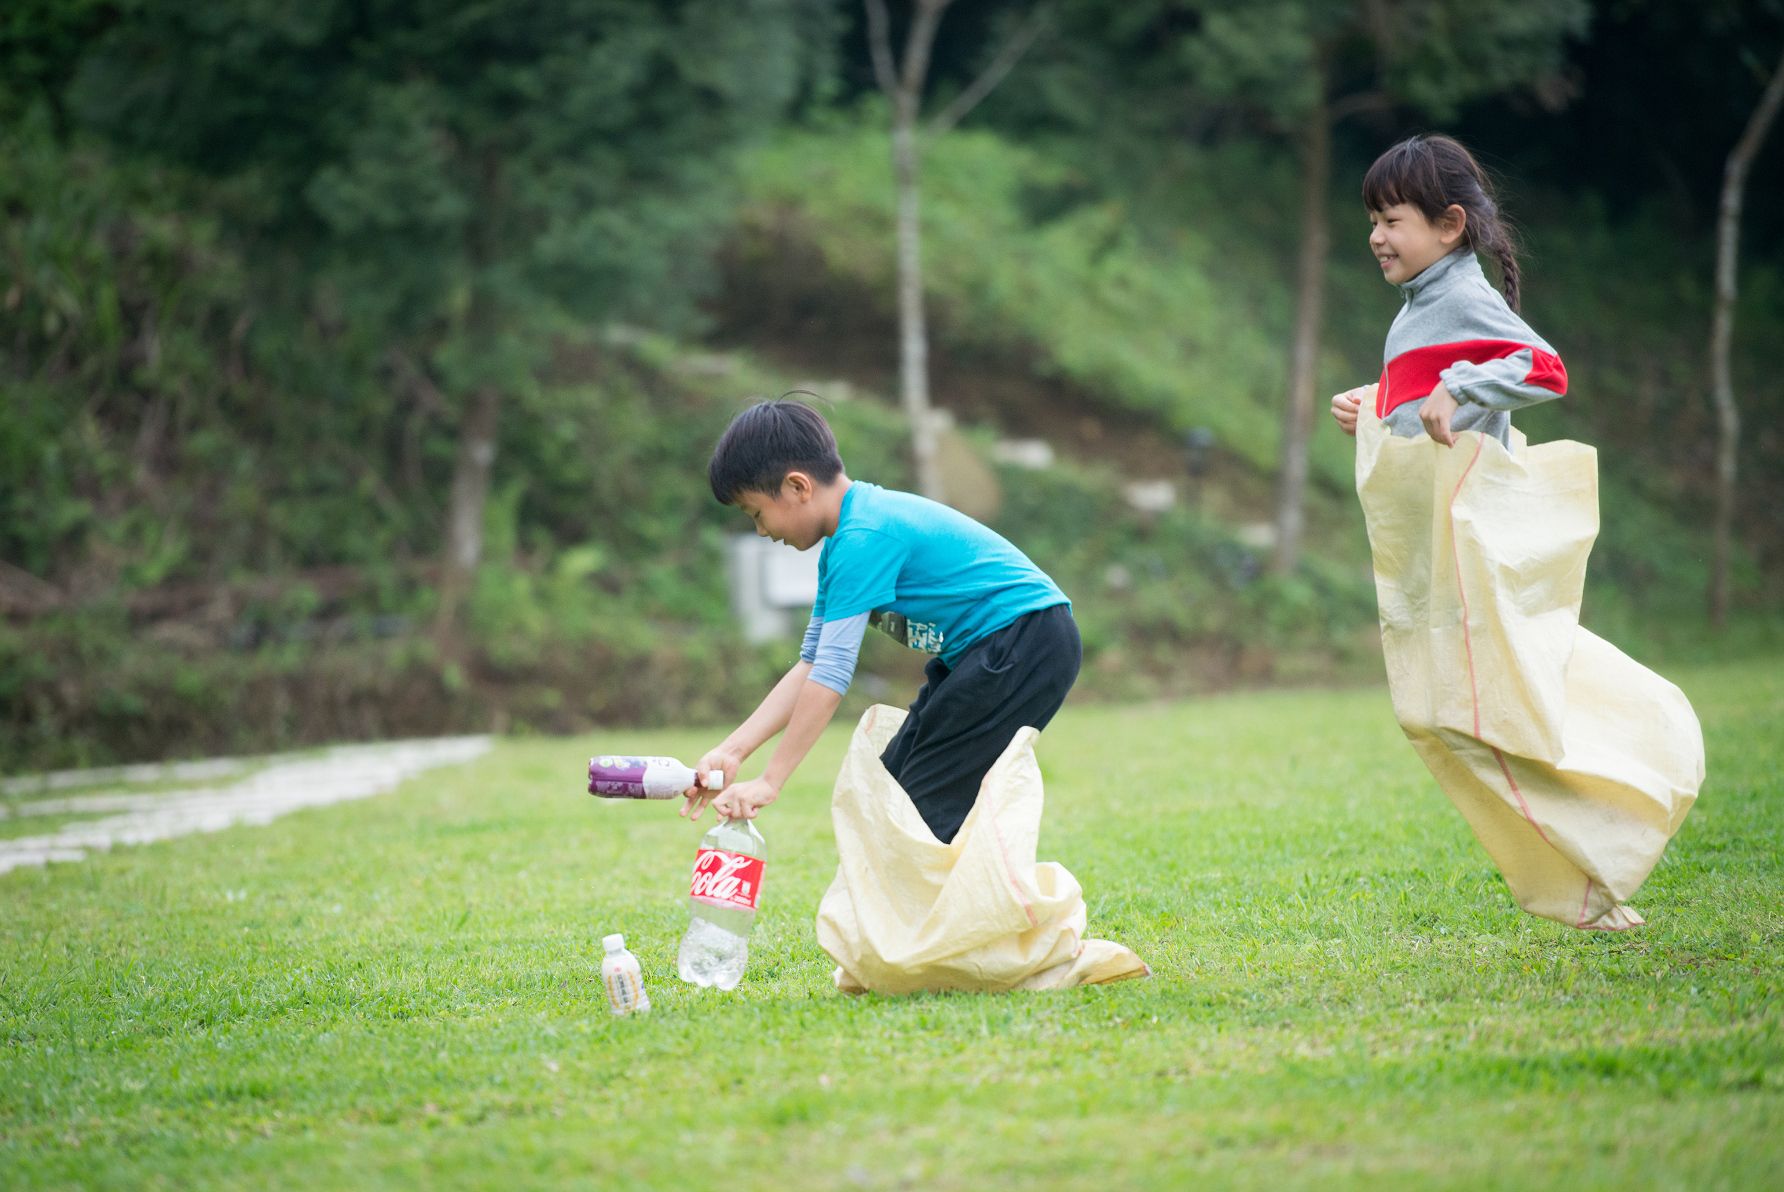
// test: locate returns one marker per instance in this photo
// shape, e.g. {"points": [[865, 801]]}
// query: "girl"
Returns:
{"points": [[1458, 356], [1573, 764]]}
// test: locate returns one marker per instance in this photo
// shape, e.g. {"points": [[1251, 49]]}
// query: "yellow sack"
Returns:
{"points": [[1573, 764], [907, 913]]}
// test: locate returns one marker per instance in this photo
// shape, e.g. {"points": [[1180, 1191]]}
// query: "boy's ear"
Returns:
{"points": [[1452, 223], [801, 483]]}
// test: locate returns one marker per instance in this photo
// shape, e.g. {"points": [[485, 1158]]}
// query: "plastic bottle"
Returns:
{"points": [[623, 777], [722, 898], [623, 978]]}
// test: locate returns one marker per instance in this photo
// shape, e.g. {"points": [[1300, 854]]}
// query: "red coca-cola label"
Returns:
{"points": [[727, 879]]}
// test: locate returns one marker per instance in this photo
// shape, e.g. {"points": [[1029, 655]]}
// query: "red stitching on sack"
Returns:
{"points": [[1525, 807], [1003, 850]]}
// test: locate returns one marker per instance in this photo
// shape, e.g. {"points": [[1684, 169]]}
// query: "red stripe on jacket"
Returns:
{"points": [[1412, 375]]}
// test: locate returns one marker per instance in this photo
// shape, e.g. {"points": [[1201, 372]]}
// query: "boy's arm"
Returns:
{"points": [[833, 655], [769, 718], [811, 713]]}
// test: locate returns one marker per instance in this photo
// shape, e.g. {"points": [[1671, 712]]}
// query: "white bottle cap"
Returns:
{"points": [[715, 780], [614, 943]]}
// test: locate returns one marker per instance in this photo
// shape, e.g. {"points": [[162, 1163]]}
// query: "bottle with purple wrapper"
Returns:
{"points": [[619, 776]]}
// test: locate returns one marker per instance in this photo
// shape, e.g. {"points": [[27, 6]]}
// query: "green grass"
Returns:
{"points": [[402, 991]]}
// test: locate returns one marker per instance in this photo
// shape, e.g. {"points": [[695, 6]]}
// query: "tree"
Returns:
{"points": [[903, 84], [1127, 74], [41, 42], [1728, 415], [1306, 66], [456, 184]]}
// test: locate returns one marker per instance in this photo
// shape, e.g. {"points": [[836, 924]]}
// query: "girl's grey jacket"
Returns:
{"points": [[1456, 328]]}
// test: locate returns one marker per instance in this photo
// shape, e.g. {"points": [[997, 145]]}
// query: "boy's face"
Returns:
{"points": [[789, 515]]}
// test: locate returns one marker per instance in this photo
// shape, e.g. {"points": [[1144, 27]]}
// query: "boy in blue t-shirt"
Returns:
{"points": [[1007, 649]]}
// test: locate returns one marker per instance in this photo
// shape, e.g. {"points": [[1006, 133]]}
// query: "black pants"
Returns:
{"points": [[965, 716]]}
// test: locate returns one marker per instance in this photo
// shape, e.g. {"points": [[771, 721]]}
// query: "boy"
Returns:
{"points": [[1007, 649]]}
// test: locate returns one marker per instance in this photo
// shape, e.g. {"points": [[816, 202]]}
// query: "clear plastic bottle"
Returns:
{"points": [[623, 978], [722, 899], [620, 776]]}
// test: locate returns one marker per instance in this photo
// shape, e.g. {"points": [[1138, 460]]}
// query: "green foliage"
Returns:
{"points": [[252, 254], [1026, 257], [464, 184], [1189, 335], [41, 42], [1274, 56], [115, 300]]}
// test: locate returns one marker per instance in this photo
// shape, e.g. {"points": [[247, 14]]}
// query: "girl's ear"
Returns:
{"points": [[1452, 223]]}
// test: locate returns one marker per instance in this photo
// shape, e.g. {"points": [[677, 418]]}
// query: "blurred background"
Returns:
{"points": [[360, 360]]}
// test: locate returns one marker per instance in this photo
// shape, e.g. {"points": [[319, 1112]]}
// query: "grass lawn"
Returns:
{"points": [[403, 991]]}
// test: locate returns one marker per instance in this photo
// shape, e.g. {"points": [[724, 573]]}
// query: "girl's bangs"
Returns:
{"points": [[1381, 185], [1406, 173]]}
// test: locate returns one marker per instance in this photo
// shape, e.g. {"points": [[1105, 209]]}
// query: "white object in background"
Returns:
{"points": [[1150, 496], [772, 586], [1033, 454]]}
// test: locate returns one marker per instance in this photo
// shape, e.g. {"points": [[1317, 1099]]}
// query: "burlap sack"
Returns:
{"points": [[1573, 764], [906, 912]]}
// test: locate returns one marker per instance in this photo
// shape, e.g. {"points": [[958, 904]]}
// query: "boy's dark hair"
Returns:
{"points": [[767, 441], [1432, 172]]}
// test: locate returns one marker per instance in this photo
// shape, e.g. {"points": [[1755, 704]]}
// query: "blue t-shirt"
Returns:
{"points": [[930, 576]]}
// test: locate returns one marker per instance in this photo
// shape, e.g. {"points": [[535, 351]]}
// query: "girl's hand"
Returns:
{"points": [[696, 797], [744, 799], [1345, 408], [1437, 412]]}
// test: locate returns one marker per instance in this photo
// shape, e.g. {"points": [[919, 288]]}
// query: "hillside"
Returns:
{"points": [[226, 504]]}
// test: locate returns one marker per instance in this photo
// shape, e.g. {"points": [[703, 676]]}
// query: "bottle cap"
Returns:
{"points": [[715, 780], [614, 943]]}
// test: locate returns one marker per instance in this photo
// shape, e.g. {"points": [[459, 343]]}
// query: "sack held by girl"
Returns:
{"points": [[1573, 764]]}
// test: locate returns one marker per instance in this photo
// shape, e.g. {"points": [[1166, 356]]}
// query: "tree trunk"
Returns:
{"points": [[1728, 415], [906, 93], [903, 85], [464, 515], [1297, 414], [913, 332]]}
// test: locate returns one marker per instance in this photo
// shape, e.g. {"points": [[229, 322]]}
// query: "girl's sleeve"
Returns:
{"points": [[1521, 378]]}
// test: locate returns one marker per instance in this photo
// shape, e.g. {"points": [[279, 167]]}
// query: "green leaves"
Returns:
{"points": [[494, 163]]}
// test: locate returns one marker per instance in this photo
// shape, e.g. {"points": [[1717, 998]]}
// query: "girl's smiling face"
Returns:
{"points": [[1406, 243]]}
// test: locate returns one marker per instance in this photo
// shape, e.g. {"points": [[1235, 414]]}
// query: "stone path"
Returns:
{"points": [[285, 783]]}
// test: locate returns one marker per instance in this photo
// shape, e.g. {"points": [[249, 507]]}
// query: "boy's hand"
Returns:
{"points": [[695, 798], [1346, 406], [744, 799], [1437, 412]]}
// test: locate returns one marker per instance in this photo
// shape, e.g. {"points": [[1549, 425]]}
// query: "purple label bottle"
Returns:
{"points": [[620, 776]]}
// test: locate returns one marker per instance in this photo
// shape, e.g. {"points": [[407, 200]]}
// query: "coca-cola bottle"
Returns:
{"points": [[615, 776], [722, 899]]}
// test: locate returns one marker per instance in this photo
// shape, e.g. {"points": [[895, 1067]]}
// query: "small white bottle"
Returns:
{"points": [[623, 978]]}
